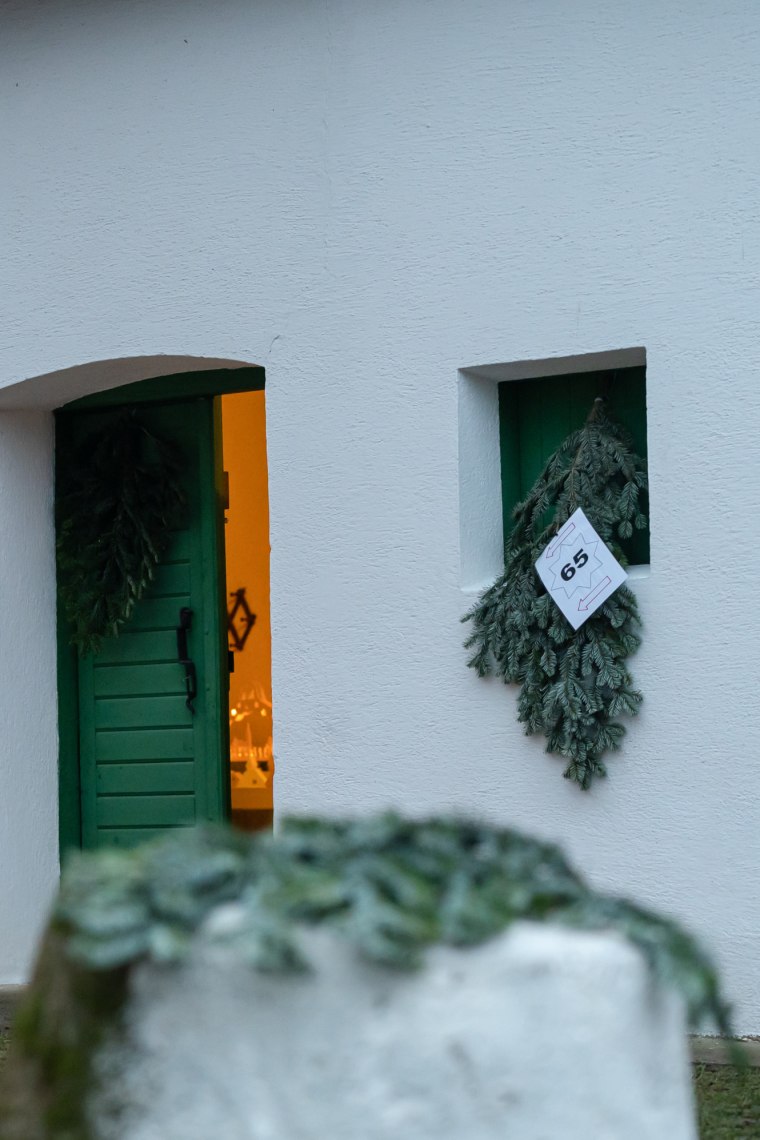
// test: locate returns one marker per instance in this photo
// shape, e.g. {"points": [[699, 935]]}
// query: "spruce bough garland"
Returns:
{"points": [[574, 684], [391, 887], [121, 497]]}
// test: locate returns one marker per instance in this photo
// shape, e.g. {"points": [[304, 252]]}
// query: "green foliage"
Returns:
{"points": [[391, 887], [573, 685], [120, 497]]}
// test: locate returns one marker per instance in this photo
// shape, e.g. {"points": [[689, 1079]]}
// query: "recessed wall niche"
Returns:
{"points": [[512, 416]]}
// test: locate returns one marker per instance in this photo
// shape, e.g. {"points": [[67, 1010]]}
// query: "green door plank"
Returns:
{"points": [[146, 744], [127, 837], [142, 712], [146, 762], [172, 579], [181, 547], [158, 613], [128, 779], [138, 680], [149, 647], [146, 811]]}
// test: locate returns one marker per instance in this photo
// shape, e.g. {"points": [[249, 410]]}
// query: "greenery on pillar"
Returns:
{"points": [[392, 888], [573, 684]]}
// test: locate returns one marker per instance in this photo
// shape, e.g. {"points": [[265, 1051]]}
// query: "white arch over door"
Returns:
{"points": [[29, 859], [53, 389]]}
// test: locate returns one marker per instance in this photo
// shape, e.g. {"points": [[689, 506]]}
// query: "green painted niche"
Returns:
{"points": [[535, 416]]}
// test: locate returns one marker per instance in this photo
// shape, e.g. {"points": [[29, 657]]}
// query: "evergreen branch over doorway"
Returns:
{"points": [[120, 498]]}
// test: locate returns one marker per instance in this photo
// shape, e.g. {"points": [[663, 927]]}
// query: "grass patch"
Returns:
{"points": [[728, 1101]]}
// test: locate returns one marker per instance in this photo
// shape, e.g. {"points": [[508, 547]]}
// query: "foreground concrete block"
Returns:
{"points": [[540, 1034]]}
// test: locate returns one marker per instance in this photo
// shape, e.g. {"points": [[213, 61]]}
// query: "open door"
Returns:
{"points": [[246, 544], [147, 743]]}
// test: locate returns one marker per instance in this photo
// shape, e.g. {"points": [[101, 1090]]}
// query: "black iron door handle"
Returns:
{"points": [[183, 656]]}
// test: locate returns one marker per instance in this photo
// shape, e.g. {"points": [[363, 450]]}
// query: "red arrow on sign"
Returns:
{"points": [[584, 603], [558, 540]]}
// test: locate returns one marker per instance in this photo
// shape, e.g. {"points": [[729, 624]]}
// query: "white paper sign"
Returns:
{"points": [[579, 570]]}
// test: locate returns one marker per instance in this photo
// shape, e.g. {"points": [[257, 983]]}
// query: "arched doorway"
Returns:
{"points": [[169, 723]]}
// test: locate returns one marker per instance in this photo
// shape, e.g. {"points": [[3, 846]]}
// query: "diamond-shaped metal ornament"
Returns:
{"points": [[240, 620]]}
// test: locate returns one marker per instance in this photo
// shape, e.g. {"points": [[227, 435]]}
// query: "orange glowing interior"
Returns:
{"points": [[250, 641]]}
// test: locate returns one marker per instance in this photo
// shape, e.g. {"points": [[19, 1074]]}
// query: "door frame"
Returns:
{"points": [[158, 389]]}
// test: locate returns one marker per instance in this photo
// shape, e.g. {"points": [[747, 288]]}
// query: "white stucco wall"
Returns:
{"points": [[28, 729], [366, 198]]}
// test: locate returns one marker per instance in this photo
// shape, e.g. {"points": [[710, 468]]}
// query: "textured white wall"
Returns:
{"points": [[28, 731], [365, 198]]}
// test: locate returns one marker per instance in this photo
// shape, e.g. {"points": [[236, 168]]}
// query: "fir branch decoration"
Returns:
{"points": [[121, 496], [392, 887], [574, 685]]}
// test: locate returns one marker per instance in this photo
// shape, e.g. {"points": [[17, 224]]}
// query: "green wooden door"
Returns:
{"points": [[146, 762]]}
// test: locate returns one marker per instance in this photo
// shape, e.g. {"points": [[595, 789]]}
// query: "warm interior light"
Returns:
{"points": [[247, 553]]}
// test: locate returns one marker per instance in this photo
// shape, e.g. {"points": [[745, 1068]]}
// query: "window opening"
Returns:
{"points": [[536, 415]]}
